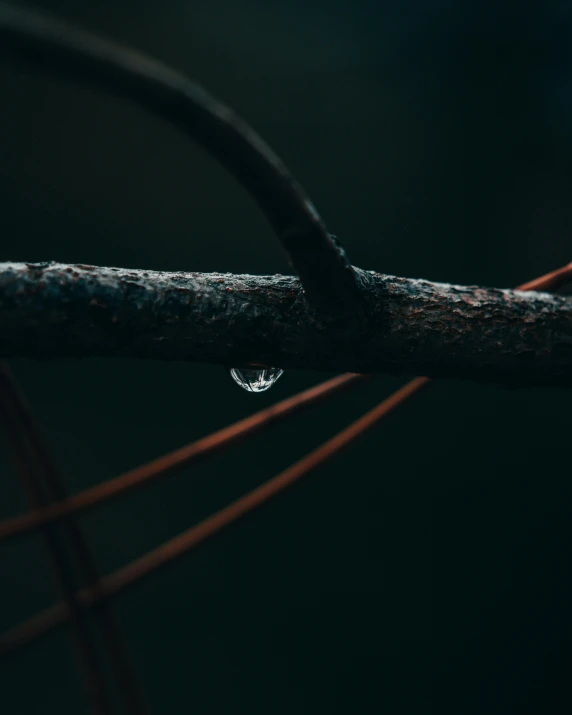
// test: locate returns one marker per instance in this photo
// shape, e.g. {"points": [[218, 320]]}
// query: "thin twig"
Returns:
{"points": [[182, 544], [31, 471], [330, 282], [55, 491], [549, 281], [193, 453]]}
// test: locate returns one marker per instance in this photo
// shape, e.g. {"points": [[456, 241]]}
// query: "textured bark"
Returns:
{"points": [[51, 310]]}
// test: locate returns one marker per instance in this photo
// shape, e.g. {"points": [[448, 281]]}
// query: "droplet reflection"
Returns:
{"points": [[255, 379]]}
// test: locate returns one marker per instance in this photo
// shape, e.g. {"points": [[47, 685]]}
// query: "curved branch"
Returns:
{"points": [[332, 286], [52, 310]]}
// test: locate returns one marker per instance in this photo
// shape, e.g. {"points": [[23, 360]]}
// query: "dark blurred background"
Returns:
{"points": [[427, 569]]}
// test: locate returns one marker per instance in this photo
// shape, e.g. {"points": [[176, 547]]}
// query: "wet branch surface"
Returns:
{"points": [[52, 310]]}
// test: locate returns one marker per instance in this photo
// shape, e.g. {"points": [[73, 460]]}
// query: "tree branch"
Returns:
{"points": [[51, 310], [331, 284]]}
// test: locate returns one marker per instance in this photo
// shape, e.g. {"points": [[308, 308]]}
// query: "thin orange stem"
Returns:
{"points": [[550, 282], [114, 583], [184, 457]]}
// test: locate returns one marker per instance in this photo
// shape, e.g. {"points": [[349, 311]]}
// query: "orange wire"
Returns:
{"points": [[176, 547], [184, 457]]}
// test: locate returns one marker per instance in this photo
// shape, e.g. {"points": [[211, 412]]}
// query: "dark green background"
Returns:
{"points": [[427, 569]]}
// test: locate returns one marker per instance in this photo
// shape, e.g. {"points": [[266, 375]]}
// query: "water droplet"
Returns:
{"points": [[255, 379]]}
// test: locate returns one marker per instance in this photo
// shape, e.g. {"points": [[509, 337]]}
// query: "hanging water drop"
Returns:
{"points": [[255, 379]]}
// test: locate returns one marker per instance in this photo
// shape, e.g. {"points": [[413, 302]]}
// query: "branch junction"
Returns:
{"points": [[52, 310]]}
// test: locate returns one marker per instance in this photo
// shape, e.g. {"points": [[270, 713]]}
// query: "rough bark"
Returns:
{"points": [[51, 310]]}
